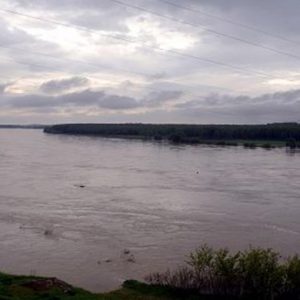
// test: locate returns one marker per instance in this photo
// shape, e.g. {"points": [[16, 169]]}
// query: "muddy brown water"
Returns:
{"points": [[97, 211]]}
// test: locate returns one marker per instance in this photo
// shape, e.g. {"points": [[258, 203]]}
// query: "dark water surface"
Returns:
{"points": [[157, 200]]}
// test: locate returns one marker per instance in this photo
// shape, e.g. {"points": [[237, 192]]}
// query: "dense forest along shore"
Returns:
{"points": [[250, 136]]}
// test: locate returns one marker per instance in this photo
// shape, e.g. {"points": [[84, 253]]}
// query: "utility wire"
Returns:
{"points": [[85, 29], [184, 93], [206, 29], [131, 41], [93, 65], [124, 39], [25, 63], [56, 58], [251, 28], [93, 77]]}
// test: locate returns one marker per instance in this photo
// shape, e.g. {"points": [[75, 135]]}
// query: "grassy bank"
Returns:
{"points": [[209, 274], [249, 136], [31, 288], [14, 287], [38, 288]]}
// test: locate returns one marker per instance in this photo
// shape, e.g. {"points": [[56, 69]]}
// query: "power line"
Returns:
{"points": [[93, 65], [251, 28], [187, 93], [57, 58], [26, 64], [178, 53], [206, 29], [54, 57], [84, 29]]}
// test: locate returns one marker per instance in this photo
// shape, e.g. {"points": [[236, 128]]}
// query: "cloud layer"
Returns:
{"points": [[63, 85], [105, 61]]}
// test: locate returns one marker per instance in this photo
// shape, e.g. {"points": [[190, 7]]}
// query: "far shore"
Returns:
{"points": [[249, 136]]}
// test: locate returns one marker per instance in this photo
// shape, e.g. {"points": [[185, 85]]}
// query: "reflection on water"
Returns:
{"points": [[69, 205]]}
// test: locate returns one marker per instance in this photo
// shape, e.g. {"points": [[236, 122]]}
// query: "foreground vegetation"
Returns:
{"points": [[209, 274], [251, 274], [268, 136], [38, 288]]}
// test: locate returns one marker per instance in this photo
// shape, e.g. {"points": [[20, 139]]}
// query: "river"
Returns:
{"points": [[97, 211]]}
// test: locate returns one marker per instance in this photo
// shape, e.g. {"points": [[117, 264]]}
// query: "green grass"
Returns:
{"points": [[14, 287]]}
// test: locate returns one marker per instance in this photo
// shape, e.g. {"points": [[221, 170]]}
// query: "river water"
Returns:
{"points": [[158, 201]]}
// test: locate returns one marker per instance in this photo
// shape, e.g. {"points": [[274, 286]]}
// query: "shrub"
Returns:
{"points": [[182, 278], [158, 137], [175, 138], [267, 146], [255, 273], [292, 273], [260, 273], [291, 143], [250, 145]]}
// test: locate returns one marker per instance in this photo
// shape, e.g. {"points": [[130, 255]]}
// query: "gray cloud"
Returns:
{"points": [[216, 100], [63, 85], [160, 75], [3, 86], [12, 35], [274, 107], [119, 103], [156, 98], [85, 98], [92, 14], [71, 53], [89, 98]]}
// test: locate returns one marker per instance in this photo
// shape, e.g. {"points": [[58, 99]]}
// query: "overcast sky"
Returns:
{"points": [[193, 61]]}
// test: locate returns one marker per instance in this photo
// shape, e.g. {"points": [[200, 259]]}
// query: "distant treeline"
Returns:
{"points": [[4, 126], [182, 133]]}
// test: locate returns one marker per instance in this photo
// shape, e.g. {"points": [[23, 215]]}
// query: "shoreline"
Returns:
{"points": [[21, 287], [251, 144], [267, 136]]}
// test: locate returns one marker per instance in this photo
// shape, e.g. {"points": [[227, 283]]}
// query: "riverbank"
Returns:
{"points": [[250, 136], [14, 287], [254, 273]]}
